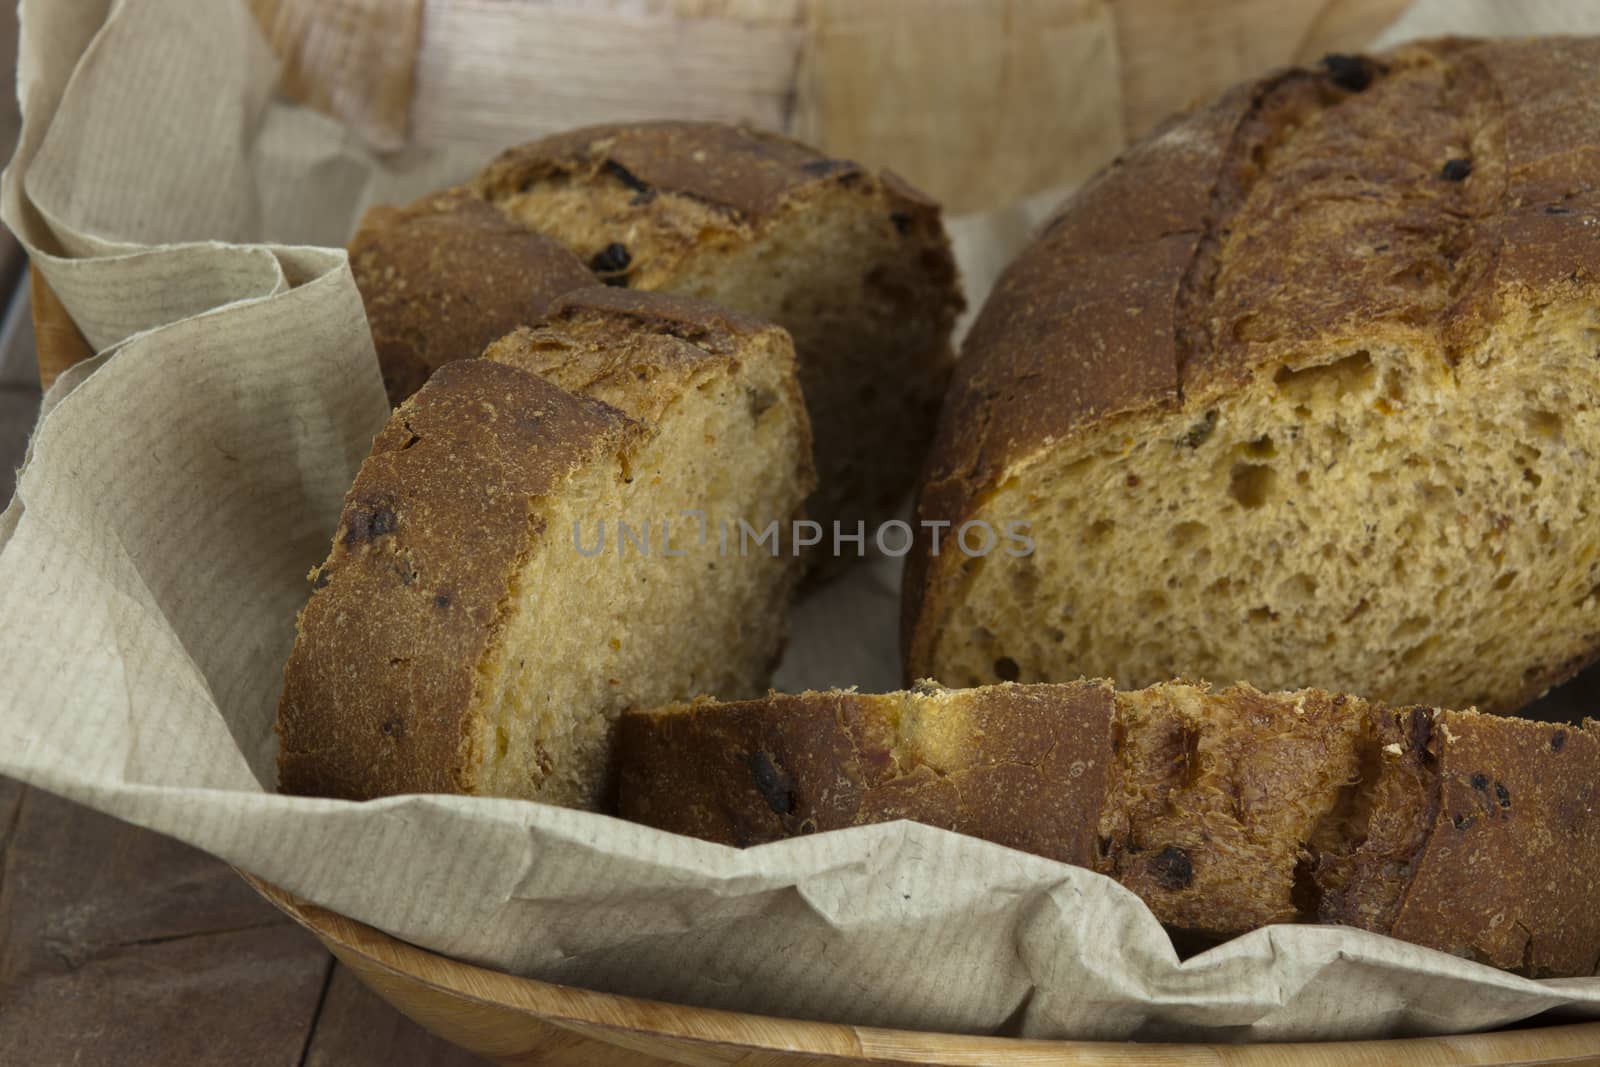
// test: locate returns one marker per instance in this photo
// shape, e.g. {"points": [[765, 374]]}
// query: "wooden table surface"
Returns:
{"points": [[121, 946]]}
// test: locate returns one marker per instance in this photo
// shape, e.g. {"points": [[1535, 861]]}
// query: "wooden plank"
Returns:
{"points": [[492, 73], [11, 255], [1175, 52], [977, 103], [18, 407], [122, 946], [57, 338], [355, 1026], [354, 60], [115, 942], [11, 792], [523, 1021]]}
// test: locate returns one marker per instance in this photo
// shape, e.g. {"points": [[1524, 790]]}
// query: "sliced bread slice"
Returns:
{"points": [[1224, 810], [484, 616], [855, 265]]}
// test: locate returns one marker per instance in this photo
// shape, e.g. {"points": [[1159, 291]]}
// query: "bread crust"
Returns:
{"points": [[746, 172], [747, 772], [446, 275], [1152, 290], [1488, 847], [855, 264], [1508, 871], [638, 352], [379, 691]]}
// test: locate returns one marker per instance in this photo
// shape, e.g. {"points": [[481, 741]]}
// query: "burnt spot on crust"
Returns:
{"points": [[612, 263], [369, 521], [1480, 782], [394, 727], [824, 167], [843, 171], [1456, 170], [1419, 729], [626, 177], [1463, 821], [1557, 209], [319, 580], [772, 783], [1558, 740], [1502, 796], [530, 423], [1351, 73], [441, 600], [1172, 868]]}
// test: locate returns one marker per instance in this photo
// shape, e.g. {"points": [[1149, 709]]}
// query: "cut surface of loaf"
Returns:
{"points": [[1224, 810], [855, 265], [484, 617], [443, 277], [1302, 390]]}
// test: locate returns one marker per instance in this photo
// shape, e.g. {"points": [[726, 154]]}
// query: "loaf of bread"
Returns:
{"points": [[1301, 390], [855, 265], [483, 617], [1223, 810], [443, 277]]}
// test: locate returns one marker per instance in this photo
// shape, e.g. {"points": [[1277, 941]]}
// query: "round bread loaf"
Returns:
{"points": [[1223, 810], [518, 555], [1301, 390]]}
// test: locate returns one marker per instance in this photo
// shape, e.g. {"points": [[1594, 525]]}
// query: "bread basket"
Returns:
{"points": [[520, 1021], [515, 1020]]}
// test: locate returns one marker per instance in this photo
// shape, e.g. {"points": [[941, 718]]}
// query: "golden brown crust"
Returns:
{"points": [[855, 264], [1472, 834], [446, 275], [378, 695], [747, 772], [638, 352], [1507, 871], [1220, 799], [1401, 198], [739, 169], [710, 326], [379, 687]]}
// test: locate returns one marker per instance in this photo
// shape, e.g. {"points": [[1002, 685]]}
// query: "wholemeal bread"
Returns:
{"points": [[483, 618], [1224, 810], [855, 265], [1302, 390], [446, 275]]}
